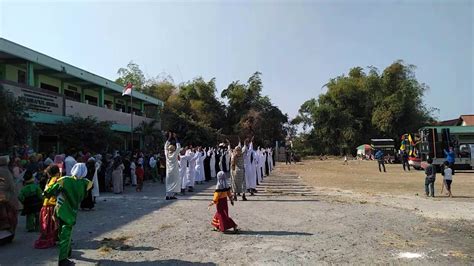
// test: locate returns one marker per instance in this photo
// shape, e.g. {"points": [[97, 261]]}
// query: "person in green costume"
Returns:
{"points": [[31, 196], [70, 191]]}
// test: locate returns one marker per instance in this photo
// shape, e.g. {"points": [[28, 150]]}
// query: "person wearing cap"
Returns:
{"points": [[8, 202], [31, 196], [70, 191]]}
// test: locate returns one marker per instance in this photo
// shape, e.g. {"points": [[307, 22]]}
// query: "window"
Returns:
{"points": [[21, 77], [49, 87], [91, 100], [72, 95], [108, 104]]}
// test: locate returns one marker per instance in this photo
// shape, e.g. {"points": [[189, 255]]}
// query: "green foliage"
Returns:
{"points": [[132, 73], [14, 124], [362, 106], [195, 112], [88, 134]]}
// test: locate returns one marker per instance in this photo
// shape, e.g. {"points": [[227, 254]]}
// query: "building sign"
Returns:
{"points": [[37, 101]]}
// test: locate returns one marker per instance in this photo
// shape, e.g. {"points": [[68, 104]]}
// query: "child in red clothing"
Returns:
{"points": [[140, 173]]}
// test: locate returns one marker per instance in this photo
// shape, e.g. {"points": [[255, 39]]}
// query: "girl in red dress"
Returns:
{"points": [[221, 220]]}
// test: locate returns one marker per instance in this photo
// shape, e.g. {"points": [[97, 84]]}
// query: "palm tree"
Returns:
{"points": [[152, 137]]}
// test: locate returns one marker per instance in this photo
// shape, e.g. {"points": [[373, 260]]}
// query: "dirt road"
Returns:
{"points": [[287, 223]]}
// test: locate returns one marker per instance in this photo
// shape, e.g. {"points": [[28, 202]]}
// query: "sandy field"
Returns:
{"points": [[293, 220]]}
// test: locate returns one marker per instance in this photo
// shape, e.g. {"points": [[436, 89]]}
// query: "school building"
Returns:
{"points": [[54, 90]]}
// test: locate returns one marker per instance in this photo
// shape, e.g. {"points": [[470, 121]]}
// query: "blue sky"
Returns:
{"points": [[297, 45]]}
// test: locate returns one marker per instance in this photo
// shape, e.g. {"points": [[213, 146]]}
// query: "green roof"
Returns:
{"points": [[453, 129], [28, 54]]}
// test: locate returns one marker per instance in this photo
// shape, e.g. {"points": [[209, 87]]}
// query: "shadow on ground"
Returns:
{"points": [[274, 233]]}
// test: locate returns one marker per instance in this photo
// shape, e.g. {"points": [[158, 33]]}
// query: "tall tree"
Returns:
{"points": [[133, 74], [14, 123], [363, 105]]}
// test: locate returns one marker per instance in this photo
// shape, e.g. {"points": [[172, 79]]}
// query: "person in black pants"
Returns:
{"points": [[405, 161]]}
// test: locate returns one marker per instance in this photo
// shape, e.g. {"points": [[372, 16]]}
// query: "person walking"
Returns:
{"points": [[221, 220], [48, 222], [448, 178], [379, 156]]}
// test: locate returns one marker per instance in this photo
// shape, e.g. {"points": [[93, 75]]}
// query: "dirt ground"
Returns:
{"points": [[290, 222]]}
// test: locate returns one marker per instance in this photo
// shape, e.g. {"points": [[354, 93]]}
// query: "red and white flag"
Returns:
{"points": [[127, 90]]}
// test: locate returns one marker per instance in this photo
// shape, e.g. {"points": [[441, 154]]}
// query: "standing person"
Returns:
{"points": [[207, 166], [173, 182], [224, 163], [8, 202], [379, 156], [405, 161], [249, 169], [238, 175], [200, 166], [191, 173], [140, 173], [88, 202], [69, 162], [430, 173], [221, 220], [48, 222], [267, 163], [212, 154], [448, 177], [183, 166], [31, 197], [70, 191], [117, 175], [154, 168], [95, 180], [450, 157], [133, 169], [59, 161], [287, 156]]}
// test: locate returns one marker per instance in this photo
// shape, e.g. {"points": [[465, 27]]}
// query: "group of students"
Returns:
{"points": [[238, 171], [244, 166], [52, 210]]}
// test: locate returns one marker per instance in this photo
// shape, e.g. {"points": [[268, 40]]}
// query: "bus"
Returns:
{"points": [[436, 139]]}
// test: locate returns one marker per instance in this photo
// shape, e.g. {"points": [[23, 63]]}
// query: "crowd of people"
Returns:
{"points": [[49, 190]]}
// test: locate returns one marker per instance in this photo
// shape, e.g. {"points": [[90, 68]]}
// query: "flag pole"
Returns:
{"points": [[131, 118]]}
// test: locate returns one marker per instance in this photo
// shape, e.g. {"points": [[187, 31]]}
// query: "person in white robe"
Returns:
{"points": [[133, 174], [261, 163], [212, 154], [191, 171], [69, 162], [200, 166], [95, 179], [249, 168], [183, 160], [173, 181]]}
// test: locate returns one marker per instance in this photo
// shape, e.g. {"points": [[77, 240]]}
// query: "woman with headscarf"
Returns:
{"points": [[173, 180], [48, 221], [70, 191], [117, 175], [59, 161], [95, 180], [237, 173], [221, 220], [8, 203], [88, 202]]}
